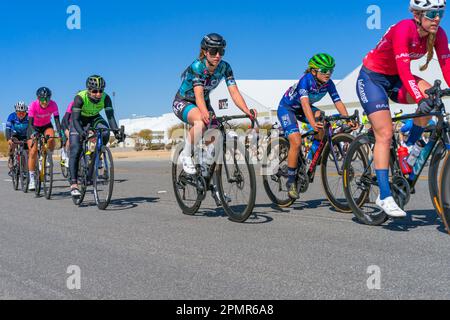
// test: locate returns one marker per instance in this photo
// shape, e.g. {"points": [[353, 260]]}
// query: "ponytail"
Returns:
{"points": [[202, 55], [430, 49]]}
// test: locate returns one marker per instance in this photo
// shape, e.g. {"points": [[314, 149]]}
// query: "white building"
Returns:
{"points": [[265, 95]]}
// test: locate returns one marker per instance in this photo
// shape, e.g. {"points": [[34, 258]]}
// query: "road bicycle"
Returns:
{"points": [[19, 171], [360, 182], [229, 173], [329, 156]]}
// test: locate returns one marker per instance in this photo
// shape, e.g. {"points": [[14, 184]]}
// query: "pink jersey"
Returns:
{"points": [[69, 108], [42, 117], [399, 46]]}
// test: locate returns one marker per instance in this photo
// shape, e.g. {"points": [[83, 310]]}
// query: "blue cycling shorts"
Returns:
{"points": [[289, 119]]}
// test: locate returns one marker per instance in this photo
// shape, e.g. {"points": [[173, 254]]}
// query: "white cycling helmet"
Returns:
{"points": [[426, 5], [21, 107]]}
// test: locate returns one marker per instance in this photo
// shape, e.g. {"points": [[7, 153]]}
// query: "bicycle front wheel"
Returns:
{"points": [[15, 174], [37, 176], [332, 176], [103, 178], [436, 166], [276, 172], [444, 183], [48, 175], [236, 182]]}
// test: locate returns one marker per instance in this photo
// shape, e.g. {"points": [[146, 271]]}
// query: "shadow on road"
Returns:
{"points": [[129, 203], [416, 219], [255, 218]]}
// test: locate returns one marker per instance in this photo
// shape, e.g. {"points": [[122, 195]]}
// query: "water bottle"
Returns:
{"points": [[415, 152], [402, 157], [422, 159]]}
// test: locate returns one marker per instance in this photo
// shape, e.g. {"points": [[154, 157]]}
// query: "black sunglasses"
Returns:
{"points": [[215, 51], [96, 91]]}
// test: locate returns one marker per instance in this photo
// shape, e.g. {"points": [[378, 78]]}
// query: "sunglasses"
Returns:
{"points": [[44, 99], [96, 91], [215, 51], [431, 15], [326, 71], [21, 113]]}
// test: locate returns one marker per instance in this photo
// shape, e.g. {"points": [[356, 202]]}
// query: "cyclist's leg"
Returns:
{"points": [[189, 113], [400, 95], [75, 151], [372, 89], [51, 142], [288, 120]]}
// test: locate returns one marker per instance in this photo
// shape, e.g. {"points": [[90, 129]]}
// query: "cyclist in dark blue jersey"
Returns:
{"points": [[16, 127], [297, 105], [192, 104]]}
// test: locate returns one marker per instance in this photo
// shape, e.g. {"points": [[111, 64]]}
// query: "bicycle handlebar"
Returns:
{"points": [[95, 130], [335, 118], [229, 118]]}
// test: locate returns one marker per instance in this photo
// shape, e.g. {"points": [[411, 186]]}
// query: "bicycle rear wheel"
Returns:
{"points": [[360, 182], [48, 175], [103, 178], [276, 172], [24, 175], [331, 177], [444, 182], [436, 165], [15, 173], [82, 181], [188, 190], [64, 169], [236, 182]]}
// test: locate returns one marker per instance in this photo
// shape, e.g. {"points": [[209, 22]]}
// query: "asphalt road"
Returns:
{"points": [[143, 247]]}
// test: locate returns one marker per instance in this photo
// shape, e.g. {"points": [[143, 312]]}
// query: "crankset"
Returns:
{"points": [[401, 191]]}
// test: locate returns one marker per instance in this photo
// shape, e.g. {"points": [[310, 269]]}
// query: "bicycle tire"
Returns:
{"points": [[103, 204], [444, 182], [237, 213], [15, 173], [285, 202], [24, 175], [37, 176], [434, 174], [358, 150], [82, 171], [340, 205], [186, 208], [48, 175]]}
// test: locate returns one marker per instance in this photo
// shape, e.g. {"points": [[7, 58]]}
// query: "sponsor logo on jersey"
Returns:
{"points": [[415, 89], [382, 106]]}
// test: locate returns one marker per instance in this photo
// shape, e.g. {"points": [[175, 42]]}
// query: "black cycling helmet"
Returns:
{"points": [[44, 93], [95, 83], [213, 40]]}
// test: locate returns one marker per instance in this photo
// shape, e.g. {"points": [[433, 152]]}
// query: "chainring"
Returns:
{"points": [[401, 191]]}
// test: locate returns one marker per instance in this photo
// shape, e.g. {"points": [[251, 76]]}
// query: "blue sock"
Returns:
{"points": [[292, 175], [383, 182], [414, 135]]}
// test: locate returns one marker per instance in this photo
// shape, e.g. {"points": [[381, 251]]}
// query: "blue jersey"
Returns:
{"points": [[197, 74], [308, 87], [16, 126]]}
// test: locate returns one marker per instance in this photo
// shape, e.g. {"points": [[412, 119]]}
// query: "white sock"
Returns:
{"points": [[187, 151], [32, 174]]}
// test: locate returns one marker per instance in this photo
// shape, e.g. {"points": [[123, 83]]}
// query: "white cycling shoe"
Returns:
{"points": [[188, 165], [32, 185], [390, 207]]}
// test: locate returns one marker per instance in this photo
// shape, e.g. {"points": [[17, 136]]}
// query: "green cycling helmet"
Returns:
{"points": [[322, 61]]}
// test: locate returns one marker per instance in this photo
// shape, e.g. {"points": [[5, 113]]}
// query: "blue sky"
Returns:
{"points": [[141, 47]]}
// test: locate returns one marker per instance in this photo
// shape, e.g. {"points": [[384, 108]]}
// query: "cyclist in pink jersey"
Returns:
{"points": [[40, 116], [386, 74]]}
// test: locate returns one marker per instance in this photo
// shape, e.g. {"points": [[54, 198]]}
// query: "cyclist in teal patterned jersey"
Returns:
{"points": [[192, 104]]}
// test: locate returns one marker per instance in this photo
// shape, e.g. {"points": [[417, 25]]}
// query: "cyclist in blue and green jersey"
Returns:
{"points": [[85, 114], [192, 104], [16, 127], [297, 105]]}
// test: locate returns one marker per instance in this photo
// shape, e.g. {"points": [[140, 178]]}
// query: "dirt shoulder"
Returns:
{"points": [[141, 155]]}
